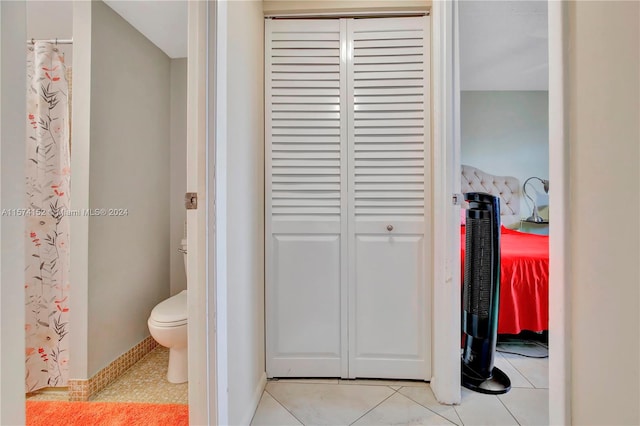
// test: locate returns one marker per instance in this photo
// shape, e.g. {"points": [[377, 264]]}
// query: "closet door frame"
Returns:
{"points": [[445, 81], [284, 235], [445, 133]]}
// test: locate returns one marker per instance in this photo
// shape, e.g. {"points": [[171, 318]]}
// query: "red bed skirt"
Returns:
{"points": [[524, 281]]}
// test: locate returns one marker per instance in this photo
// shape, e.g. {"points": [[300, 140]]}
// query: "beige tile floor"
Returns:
{"points": [[357, 402], [379, 402], [49, 394], [146, 381]]}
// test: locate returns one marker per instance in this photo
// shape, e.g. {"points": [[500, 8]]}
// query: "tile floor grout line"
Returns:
{"points": [[518, 371], [521, 373], [376, 406], [422, 405], [256, 410], [394, 391], [507, 408], [458, 414], [282, 405]]}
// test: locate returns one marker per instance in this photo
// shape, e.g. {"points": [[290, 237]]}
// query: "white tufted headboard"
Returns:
{"points": [[505, 187]]}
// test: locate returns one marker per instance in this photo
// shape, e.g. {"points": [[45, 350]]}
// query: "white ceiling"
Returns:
{"points": [[164, 22], [503, 45]]}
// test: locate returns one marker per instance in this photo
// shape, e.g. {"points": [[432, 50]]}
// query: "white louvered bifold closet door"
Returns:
{"points": [[347, 134], [388, 124], [305, 198]]}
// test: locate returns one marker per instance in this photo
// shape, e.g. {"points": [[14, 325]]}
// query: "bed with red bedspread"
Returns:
{"points": [[524, 281]]}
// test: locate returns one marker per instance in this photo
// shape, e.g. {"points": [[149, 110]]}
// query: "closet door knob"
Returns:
{"points": [[389, 228]]}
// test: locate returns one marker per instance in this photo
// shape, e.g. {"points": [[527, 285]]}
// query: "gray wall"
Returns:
{"points": [[178, 168], [51, 20], [507, 133], [12, 193], [129, 168]]}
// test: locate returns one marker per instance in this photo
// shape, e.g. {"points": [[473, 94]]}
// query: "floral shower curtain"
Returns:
{"points": [[47, 229]]}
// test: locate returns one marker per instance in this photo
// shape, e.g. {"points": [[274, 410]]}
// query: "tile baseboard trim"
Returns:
{"points": [[83, 389]]}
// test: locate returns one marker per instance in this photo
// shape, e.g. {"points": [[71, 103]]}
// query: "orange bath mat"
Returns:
{"points": [[41, 413]]}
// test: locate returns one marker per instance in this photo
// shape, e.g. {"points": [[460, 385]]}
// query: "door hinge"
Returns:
{"points": [[191, 200]]}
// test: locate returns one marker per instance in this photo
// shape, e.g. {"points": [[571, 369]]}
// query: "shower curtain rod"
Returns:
{"points": [[52, 40]]}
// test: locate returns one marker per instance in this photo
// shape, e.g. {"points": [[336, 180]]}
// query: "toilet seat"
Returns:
{"points": [[171, 312]]}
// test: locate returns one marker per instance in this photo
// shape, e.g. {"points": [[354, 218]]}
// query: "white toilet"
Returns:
{"points": [[168, 326]]}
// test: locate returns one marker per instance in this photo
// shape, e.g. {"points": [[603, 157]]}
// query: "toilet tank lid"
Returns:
{"points": [[171, 310]]}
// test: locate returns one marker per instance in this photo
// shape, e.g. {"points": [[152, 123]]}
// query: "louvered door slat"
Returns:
{"points": [[305, 99], [320, 155], [396, 82], [304, 69], [397, 151], [391, 187], [384, 91], [305, 113], [301, 92], [310, 142], [299, 60], [317, 74], [385, 100], [384, 106], [403, 160], [316, 107], [389, 131], [305, 84], [382, 67], [304, 162], [304, 131], [386, 114], [404, 59], [293, 53], [391, 194], [398, 139], [301, 194], [408, 179], [307, 188], [301, 36], [388, 35], [307, 202], [388, 51], [305, 44], [397, 74], [280, 123], [388, 42]]}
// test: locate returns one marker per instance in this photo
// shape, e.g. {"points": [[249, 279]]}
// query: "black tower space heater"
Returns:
{"points": [[481, 295]]}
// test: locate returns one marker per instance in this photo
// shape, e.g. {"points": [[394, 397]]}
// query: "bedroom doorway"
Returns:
{"points": [[504, 150]]}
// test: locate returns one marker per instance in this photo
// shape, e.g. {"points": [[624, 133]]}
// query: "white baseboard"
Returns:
{"points": [[255, 400]]}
